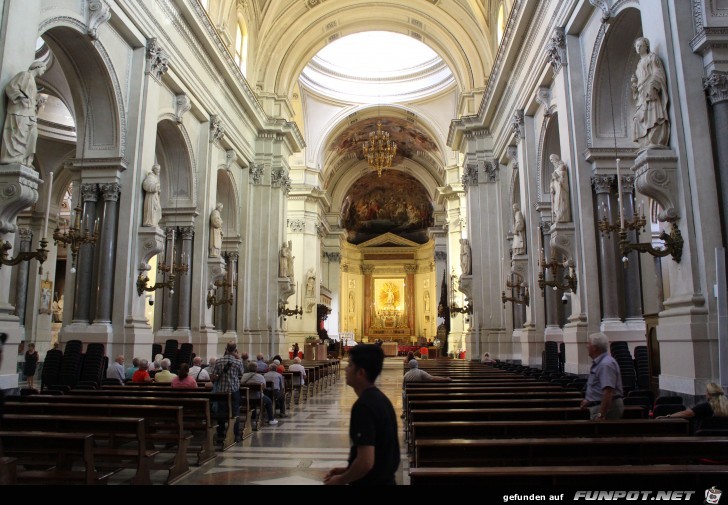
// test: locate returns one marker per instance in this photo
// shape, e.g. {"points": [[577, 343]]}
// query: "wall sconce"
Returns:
{"points": [[557, 269], [41, 254], [520, 297], [142, 284], [74, 236], [227, 296]]}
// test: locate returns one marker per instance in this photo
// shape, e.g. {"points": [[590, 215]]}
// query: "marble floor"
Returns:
{"points": [[313, 438]]}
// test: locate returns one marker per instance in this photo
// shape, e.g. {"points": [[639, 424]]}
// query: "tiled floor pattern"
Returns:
{"points": [[313, 438]]}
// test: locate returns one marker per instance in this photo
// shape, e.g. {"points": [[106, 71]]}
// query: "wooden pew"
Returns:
{"points": [[253, 404], [8, 471], [514, 414], [568, 451], [57, 452], [540, 478], [196, 415], [115, 432], [165, 425]]}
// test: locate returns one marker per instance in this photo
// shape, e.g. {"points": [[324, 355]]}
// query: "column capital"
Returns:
{"points": [[25, 234], [716, 86], [470, 175], [169, 231], [256, 173], [187, 232], [517, 125], [556, 50], [158, 59], [110, 191], [279, 179], [603, 183], [628, 183], [89, 192], [367, 269], [410, 269], [332, 256], [440, 256], [217, 130], [491, 169], [231, 255]]}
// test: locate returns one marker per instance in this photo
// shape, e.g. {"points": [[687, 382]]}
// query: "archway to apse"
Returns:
{"points": [[178, 197]]}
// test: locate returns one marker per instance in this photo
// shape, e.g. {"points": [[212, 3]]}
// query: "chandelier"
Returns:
{"points": [[380, 150]]}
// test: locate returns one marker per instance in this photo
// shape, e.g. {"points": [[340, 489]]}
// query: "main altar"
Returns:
{"points": [[389, 315]]}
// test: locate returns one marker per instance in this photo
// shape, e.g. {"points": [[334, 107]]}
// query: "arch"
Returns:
{"points": [[177, 177], [227, 194], [609, 96], [549, 143], [296, 43], [95, 91]]}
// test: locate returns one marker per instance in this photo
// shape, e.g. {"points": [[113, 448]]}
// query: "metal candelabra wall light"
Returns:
{"points": [[41, 254], [557, 269], [520, 296], [227, 296], [75, 235], [285, 312], [454, 308]]}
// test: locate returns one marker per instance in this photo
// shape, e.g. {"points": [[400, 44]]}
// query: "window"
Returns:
{"points": [[501, 22], [241, 47], [205, 4]]}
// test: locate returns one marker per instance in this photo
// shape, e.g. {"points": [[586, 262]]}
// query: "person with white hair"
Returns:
{"points": [[116, 369], [416, 375], [164, 375], [298, 367], [197, 372], [604, 387]]}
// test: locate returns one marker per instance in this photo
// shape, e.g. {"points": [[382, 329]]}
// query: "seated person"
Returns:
{"points": [[142, 375], [486, 359], [716, 404], [183, 379], [134, 367], [417, 375], [410, 357], [298, 367], [253, 377], [424, 353], [197, 372], [262, 365], [164, 375], [279, 387]]}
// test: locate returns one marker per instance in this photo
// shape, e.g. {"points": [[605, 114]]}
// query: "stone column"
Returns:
{"points": [[716, 86], [632, 285], [607, 250], [551, 296], [107, 252], [187, 234], [25, 236], [232, 313], [164, 296], [85, 260], [367, 271], [410, 270]]}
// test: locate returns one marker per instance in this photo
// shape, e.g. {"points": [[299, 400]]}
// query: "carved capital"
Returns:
{"points": [[98, 14], [157, 58], [232, 256], [470, 175], [229, 159], [320, 229], [656, 177], [217, 130], [256, 173], [603, 183], [603, 5], [440, 256], [110, 191], [543, 97], [628, 183], [491, 170], [556, 50], [182, 105], [333, 256], [89, 192], [25, 234], [187, 232], [512, 153], [716, 86], [517, 125], [366, 269], [297, 225], [170, 232], [279, 179], [18, 191], [410, 269]]}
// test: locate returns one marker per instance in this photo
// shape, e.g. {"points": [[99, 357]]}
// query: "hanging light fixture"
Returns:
{"points": [[379, 150]]}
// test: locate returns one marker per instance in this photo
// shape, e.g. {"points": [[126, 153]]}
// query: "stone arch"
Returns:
{"points": [[93, 90], [173, 152], [609, 96], [549, 143]]}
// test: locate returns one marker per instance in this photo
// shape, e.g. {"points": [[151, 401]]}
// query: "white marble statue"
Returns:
{"points": [[519, 230], [649, 88], [290, 257], [283, 261], [465, 259], [310, 283], [57, 307], [20, 132], [152, 206], [216, 231], [560, 202]]}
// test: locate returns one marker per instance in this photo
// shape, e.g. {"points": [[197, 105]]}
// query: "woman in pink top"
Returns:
{"points": [[184, 379]]}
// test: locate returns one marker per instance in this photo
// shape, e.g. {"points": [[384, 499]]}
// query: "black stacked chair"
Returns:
{"points": [[551, 357], [51, 368], [156, 349], [666, 409], [184, 355], [92, 367], [171, 349], [71, 364], [620, 352], [641, 364], [562, 356]]}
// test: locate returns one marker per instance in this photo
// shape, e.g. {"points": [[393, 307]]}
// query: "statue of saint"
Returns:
{"points": [[560, 206], [20, 132], [152, 206], [216, 231], [351, 302], [465, 259], [310, 283], [649, 88], [519, 229], [289, 259], [427, 302], [57, 308]]}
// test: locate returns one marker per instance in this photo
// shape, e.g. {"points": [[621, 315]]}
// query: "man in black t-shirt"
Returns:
{"points": [[374, 455]]}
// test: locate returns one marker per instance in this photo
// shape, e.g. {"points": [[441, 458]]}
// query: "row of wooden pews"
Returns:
{"points": [[500, 428]]}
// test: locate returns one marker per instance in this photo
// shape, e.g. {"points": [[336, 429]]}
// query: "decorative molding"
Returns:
{"points": [[182, 105], [256, 173], [603, 183], [440, 256], [604, 6], [716, 86], [217, 130], [470, 175], [366, 269], [25, 234], [491, 169], [345, 267], [512, 154], [279, 179], [89, 192], [698, 15], [229, 158], [98, 14], [297, 225], [556, 50], [110, 191], [320, 229], [18, 191], [310, 4], [410, 269], [517, 125], [158, 59], [333, 257], [543, 97]]}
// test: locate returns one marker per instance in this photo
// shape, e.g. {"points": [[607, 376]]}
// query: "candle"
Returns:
{"points": [[96, 226], [619, 190], [172, 257], [48, 205], [604, 210]]}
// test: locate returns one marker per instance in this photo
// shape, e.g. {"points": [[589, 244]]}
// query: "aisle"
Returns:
{"points": [[305, 445]]}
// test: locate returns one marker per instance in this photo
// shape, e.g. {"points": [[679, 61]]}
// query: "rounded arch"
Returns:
{"points": [[227, 195], [94, 88], [173, 152], [549, 143], [609, 95], [299, 41]]}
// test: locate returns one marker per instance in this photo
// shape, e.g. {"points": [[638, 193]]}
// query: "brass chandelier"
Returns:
{"points": [[379, 150]]}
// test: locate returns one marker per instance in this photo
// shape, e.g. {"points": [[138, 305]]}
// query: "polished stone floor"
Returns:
{"points": [[303, 446]]}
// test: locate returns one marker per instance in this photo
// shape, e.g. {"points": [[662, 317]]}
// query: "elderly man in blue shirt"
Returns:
{"points": [[604, 387]]}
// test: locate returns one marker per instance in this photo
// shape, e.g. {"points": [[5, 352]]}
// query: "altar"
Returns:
{"points": [[389, 348]]}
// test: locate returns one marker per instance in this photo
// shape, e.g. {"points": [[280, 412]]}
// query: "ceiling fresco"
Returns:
{"points": [[408, 137], [395, 202]]}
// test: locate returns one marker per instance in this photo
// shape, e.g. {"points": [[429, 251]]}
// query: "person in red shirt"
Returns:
{"points": [[142, 375], [424, 353]]}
